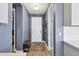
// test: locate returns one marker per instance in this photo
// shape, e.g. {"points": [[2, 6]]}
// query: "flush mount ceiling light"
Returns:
{"points": [[36, 7]]}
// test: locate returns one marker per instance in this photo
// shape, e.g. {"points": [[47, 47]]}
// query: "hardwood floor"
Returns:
{"points": [[38, 49]]}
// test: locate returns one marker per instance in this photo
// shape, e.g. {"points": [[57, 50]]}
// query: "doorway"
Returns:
{"points": [[36, 29]]}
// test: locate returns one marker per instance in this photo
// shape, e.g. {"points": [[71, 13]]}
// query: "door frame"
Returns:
{"points": [[13, 27]]}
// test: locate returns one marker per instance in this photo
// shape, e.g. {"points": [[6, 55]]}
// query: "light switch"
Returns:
{"points": [[60, 34]]}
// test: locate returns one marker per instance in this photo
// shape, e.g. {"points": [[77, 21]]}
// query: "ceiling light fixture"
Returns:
{"points": [[36, 7]]}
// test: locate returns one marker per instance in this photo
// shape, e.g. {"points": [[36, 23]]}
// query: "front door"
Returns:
{"points": [[36, 29]]}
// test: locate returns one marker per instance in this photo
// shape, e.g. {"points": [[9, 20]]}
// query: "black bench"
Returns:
{"points": [[26, 45]]}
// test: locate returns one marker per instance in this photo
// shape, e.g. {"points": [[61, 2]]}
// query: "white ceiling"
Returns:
{"points": [[36, 8]]}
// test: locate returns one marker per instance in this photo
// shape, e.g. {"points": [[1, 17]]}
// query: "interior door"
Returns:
{"points": [[36, 29]]}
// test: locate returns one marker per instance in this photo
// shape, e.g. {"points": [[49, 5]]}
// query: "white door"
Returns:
{"points": [[36, 29]]}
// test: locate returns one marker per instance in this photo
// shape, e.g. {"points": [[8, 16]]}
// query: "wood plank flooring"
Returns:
{"points": [[38, 49]]}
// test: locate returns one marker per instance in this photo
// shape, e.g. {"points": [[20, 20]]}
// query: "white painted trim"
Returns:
{"points": [[47, 46]]}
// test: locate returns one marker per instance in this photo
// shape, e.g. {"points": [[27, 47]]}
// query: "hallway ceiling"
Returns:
{"points": [[36, 8]]}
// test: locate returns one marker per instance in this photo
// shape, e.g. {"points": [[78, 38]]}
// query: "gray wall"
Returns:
{"points": [[59, 19], [46, 28], [22, 26], [18, 21], [26, 25], [67, 14], [6, 33], [43, 28]]}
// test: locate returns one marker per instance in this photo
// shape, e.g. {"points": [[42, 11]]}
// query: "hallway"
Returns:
{"points": [[33, 27], [39, 29], [38, 49]]}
